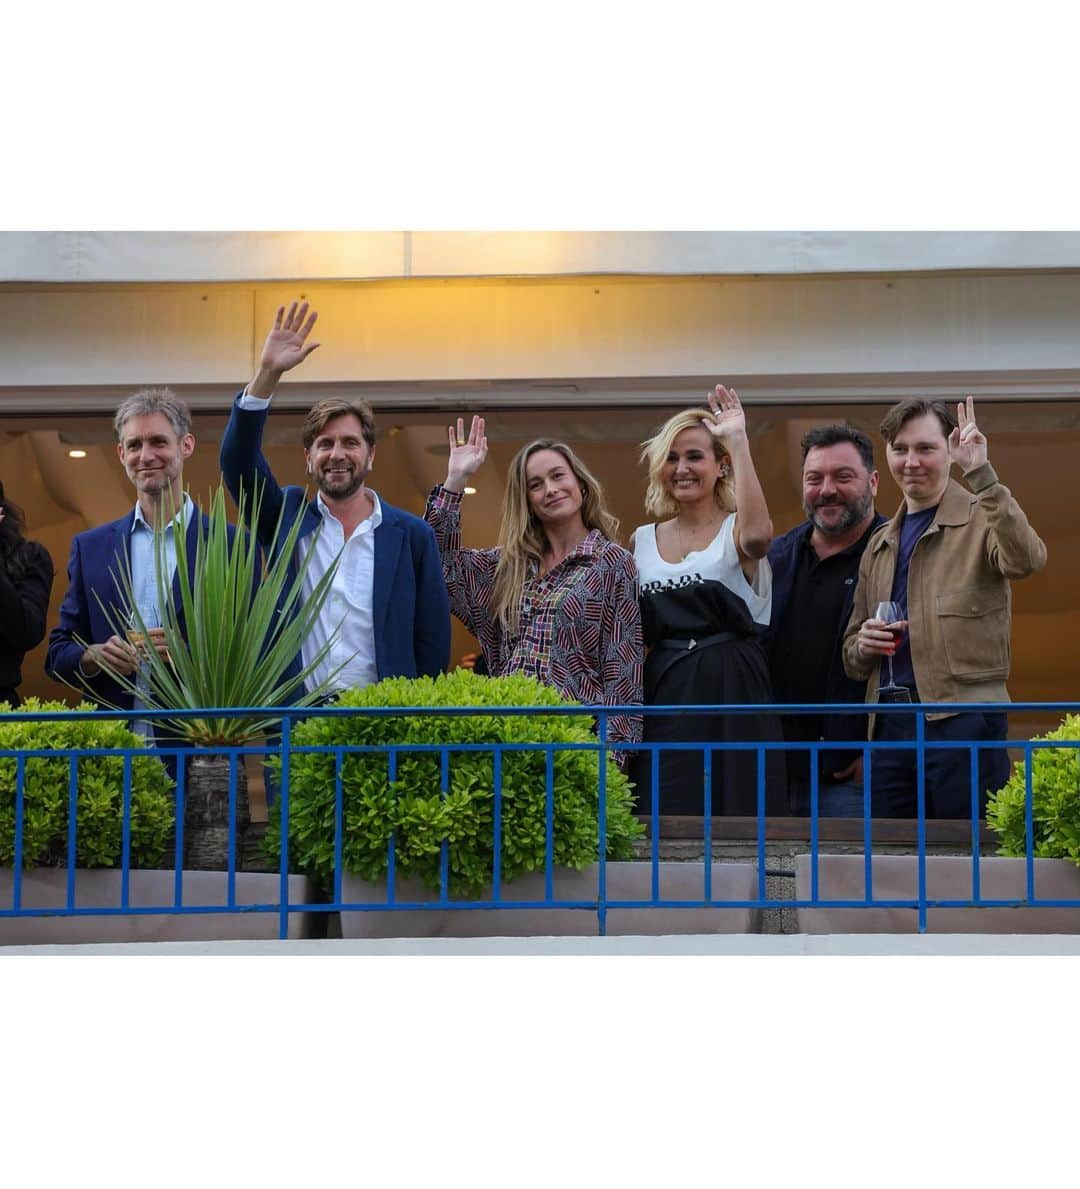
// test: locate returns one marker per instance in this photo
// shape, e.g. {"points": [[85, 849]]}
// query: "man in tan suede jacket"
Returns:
{"points": [[947, 558]]}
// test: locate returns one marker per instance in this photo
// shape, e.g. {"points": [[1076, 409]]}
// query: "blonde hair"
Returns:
{"points": [[655, 451], [522, 539]]}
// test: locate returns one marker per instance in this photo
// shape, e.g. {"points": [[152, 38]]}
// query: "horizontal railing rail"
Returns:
{"points": [[25, 796]]}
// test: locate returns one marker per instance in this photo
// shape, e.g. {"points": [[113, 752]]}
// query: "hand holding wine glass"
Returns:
{"points": [[888, 627]]}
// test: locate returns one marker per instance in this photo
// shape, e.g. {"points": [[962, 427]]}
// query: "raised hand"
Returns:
{"points": [[466, 455], [286, 345], [728, 419], [967, 443]]}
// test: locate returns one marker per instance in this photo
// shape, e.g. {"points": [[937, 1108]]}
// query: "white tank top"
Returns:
{"points": [[718, 561]]}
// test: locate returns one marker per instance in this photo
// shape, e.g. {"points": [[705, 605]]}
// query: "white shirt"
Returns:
{"points": [[351, 600], [144, 577]]}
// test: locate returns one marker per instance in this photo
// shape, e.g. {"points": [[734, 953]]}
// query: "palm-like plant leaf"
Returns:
{"points": [[239, 624]]}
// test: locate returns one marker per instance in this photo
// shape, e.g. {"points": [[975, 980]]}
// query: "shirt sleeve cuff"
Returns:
{"points": [[255, 403], [444, 500]]}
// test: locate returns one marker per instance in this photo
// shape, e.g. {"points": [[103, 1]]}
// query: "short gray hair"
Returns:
{"points": [[154, 400]]}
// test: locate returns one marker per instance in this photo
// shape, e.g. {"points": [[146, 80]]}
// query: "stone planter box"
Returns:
{"points": [[101, 889], [948, 877], [625, 881]]}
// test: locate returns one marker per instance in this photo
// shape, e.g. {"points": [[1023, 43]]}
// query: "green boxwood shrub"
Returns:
{"points": [[99, 813], [1055, 800], [412, 808]]}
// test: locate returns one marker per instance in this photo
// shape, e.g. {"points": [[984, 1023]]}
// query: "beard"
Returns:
{"points": [[340, 485], [855, 511]]}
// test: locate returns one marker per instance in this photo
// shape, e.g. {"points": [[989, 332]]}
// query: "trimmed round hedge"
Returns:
{"points": [[99, 812], [420, 817]]}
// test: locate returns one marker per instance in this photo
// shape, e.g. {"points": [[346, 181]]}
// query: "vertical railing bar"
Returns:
{"points": [[283, 819], [339, 822], [761, 864], [549, 821], [920, 785], [708, 824], [601, 903], [232, 856], [868, 835], [72, 837], [973, 772], [814, 761], [125, 832], [178, 849], [391, 852], [654, 848], [17, 858], [496, 838], [1029, 821], [444, 845]]}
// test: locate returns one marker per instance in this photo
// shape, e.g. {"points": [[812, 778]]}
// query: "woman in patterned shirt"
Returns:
{"points": [[557, 599]]}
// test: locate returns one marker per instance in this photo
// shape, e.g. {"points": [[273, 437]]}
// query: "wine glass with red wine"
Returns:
{"points": [[892, 616]]}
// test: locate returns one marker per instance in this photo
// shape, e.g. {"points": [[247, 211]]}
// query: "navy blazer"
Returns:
{"points": [[98, 557], [836, 685], [411, 610]]}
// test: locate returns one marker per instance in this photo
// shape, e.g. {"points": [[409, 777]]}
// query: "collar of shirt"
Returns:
{"points": [[593, 543], [365, 526], [185, 514]]}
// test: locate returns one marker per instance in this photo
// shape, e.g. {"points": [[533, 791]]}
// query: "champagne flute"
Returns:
{"points": [[892, 615]]}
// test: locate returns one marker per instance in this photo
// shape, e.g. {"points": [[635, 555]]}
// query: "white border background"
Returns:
{"points": [[495, 116]]}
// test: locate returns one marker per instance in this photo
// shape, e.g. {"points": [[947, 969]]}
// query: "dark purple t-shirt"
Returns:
{"points": [[912, 528]]}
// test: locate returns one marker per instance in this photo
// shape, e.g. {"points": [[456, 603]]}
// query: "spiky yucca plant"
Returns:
{"points": [[240, 622]]}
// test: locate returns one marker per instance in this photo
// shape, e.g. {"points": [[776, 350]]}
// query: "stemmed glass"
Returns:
{"points": [[892, 616]]}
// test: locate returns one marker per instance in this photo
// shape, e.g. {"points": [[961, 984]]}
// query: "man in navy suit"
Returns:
{"points": [[388, 604], [154, 439], [815, 568]]}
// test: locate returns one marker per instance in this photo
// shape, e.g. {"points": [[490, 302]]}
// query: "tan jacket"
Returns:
{"points": [[959, 601]]}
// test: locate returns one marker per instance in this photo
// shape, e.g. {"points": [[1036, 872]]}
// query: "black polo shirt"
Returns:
{"points": [[806, 642]]}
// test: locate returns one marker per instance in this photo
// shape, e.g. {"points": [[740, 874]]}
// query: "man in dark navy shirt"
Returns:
{"points": [[815, 567]]}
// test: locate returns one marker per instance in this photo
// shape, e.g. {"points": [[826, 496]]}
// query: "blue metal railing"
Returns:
{"points": [[285, 908]]}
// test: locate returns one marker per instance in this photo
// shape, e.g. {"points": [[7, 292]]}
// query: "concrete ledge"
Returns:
{"points": [[715, 945], [948, 877]]}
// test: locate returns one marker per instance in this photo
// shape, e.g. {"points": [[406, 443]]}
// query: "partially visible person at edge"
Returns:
{"points": [[557, 598], [388, 595], [26, 578], [947, 557], [154, 440], [815, 567], [706, 592]]}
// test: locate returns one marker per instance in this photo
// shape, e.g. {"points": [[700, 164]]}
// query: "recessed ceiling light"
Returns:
{"points": [[470, 491], [76, 454]]}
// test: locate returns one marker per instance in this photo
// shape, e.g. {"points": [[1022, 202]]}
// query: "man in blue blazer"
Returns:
{"points": [[388, 605], [153, 429], [815, 568]]}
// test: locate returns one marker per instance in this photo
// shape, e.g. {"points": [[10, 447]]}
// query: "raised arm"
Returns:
{"points": [[1014, 548], [243, 466], [468, 573], [753, 526]]}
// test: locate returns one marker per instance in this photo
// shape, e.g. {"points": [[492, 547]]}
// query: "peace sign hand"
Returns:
{"points": [[728, 420], [466, 456], [967, 443]]}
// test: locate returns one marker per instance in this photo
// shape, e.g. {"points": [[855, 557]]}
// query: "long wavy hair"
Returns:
{"points": [[655, 451], [15, 549], [522, 540]]}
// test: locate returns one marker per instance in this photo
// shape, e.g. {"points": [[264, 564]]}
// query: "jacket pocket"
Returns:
{"points": [[975, 631]]}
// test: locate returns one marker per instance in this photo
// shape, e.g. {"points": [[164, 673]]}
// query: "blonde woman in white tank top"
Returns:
{"points": [[706, 588]]}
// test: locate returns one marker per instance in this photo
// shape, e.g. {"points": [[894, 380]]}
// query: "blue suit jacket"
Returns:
{"points": [[98, 556], [411, 610]]}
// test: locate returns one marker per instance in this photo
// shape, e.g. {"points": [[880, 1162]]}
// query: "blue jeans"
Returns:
{"points": [[947, 781], [834, 800]]}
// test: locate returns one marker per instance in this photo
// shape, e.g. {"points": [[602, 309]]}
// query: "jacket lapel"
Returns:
{"points": [[388, 541]]}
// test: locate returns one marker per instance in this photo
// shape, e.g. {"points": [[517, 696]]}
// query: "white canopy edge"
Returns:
{"points": [[246, 256]]}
